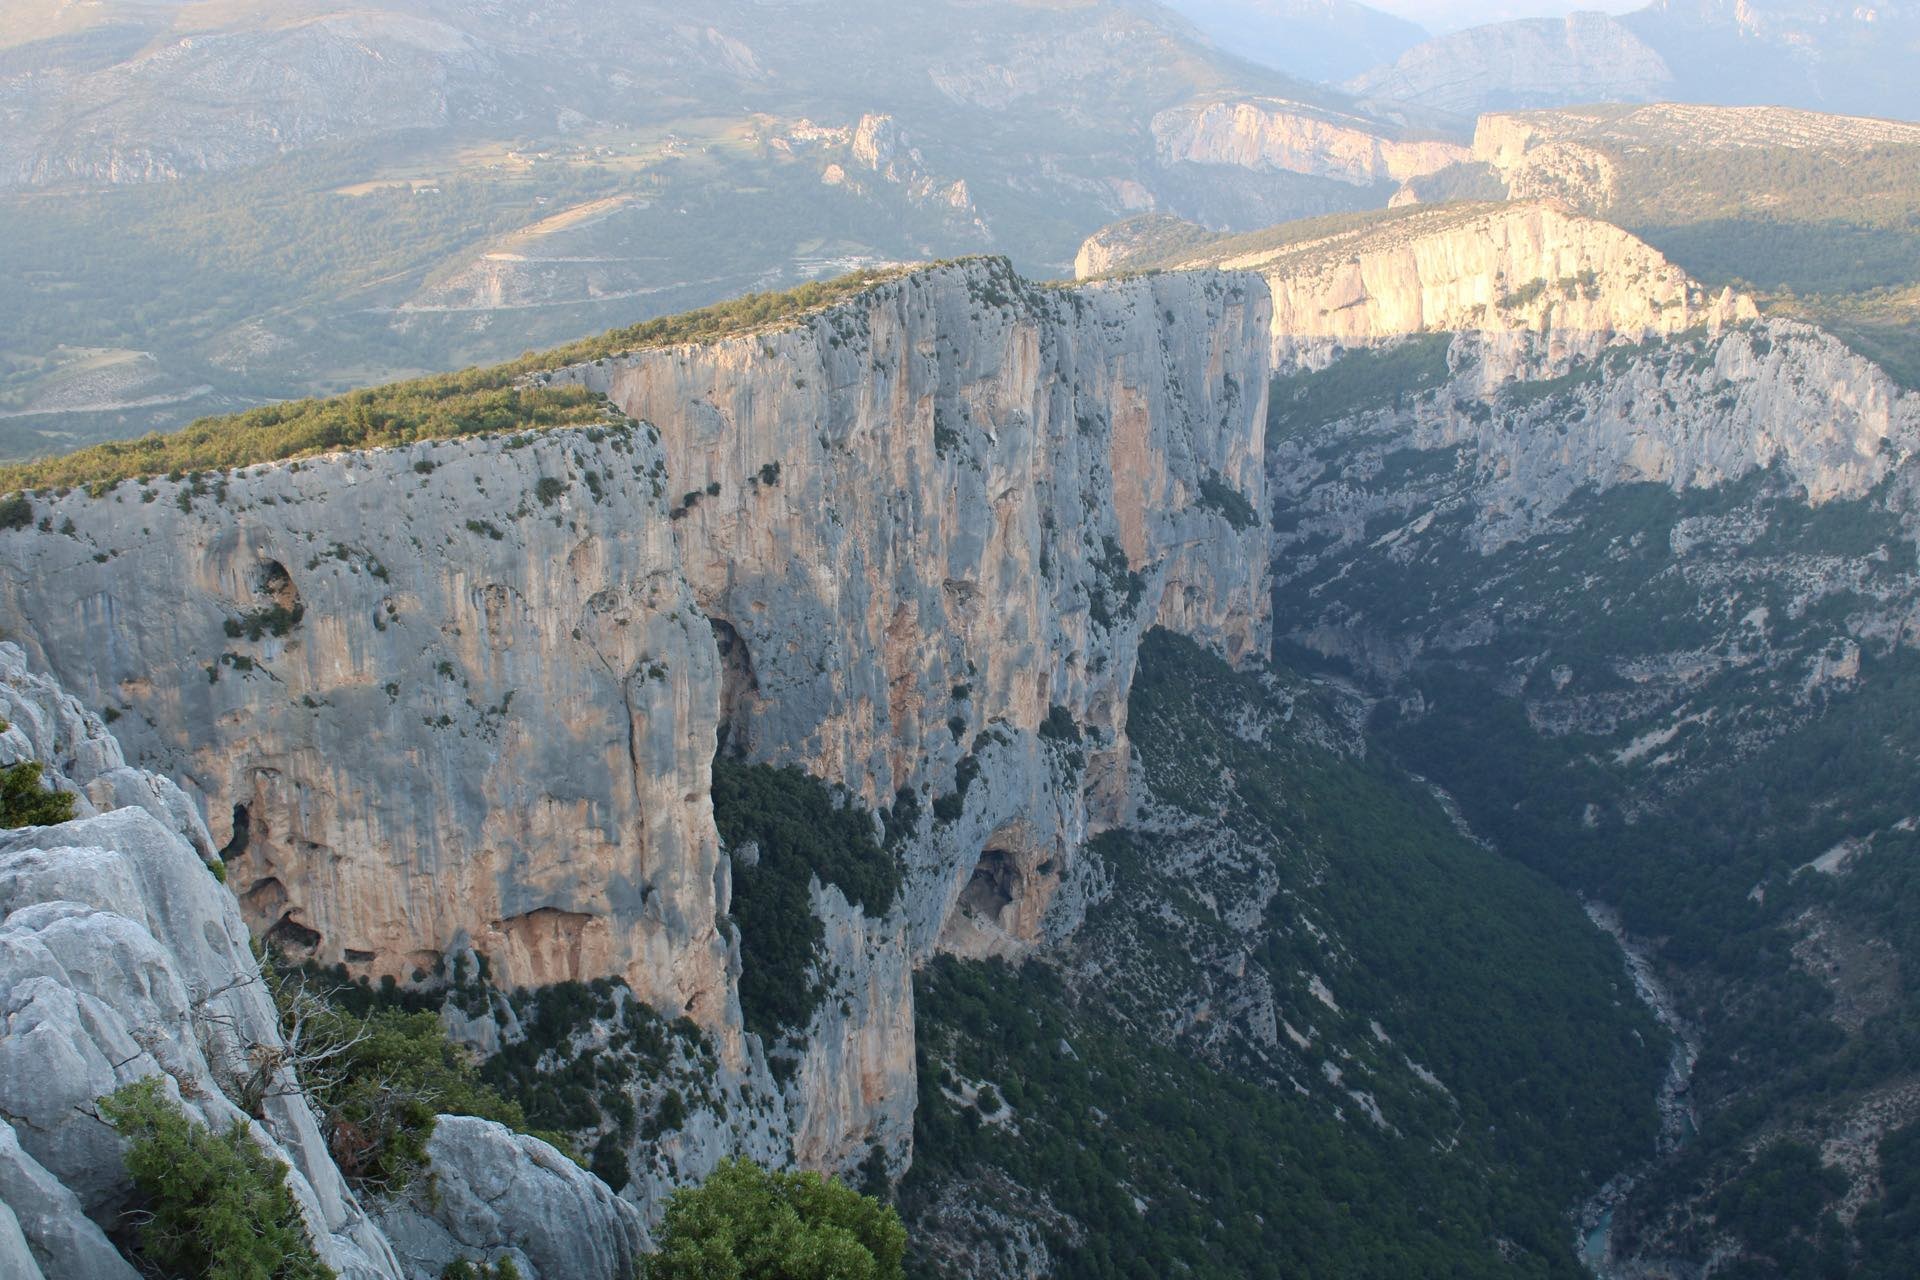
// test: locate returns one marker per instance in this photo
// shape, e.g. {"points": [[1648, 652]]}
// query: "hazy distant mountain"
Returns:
{"points": [[124, 91], [1823, 54], [131, 90], [314, 195], [1535, 62], [1319, 39]]}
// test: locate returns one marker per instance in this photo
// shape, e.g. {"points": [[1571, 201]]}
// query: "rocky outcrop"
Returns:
{"points": [[1267, 134], [1698, 412], [52, 1228], [1534, 62], [122, 956], [467, 693], [876, 144], [78, 754], [1537, 286], [497, 1195]]}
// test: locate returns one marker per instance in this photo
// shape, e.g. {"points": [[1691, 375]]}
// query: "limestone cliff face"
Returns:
{"points": [[1539, 286], [923, 527], [912, 496], [468, 693], [1272, 134], [478, 719]]}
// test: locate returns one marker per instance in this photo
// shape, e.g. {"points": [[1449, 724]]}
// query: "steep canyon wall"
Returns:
{"points": [[466, 693]]}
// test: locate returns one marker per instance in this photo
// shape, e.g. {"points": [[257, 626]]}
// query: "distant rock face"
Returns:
{"points": [[1573, 155], [1536, 62], [1830, 55], [1536, 286], [1525, 292], [468, 693], [158, 92], [177, 108], [1776, 394], [1274, 135]]}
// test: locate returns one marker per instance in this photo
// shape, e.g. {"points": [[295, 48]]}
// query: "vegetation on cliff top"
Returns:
{"points": [[1168, 243], [471, 402]]}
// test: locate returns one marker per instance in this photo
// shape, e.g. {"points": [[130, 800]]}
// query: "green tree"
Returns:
{"points": [[25, 803], [219, 1206], [380, 1081], [745, 1223]]}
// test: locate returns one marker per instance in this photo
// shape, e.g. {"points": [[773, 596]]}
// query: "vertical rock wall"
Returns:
{"points": [[467, 693]]}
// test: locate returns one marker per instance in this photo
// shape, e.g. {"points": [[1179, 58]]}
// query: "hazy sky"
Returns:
{"points": [[1450, 15]]}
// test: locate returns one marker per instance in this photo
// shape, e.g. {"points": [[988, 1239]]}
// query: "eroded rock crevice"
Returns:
{"points": [[739, 686], [1001, 905]]}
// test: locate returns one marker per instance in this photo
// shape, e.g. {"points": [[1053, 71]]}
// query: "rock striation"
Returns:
{"points": [[466, 694]]}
